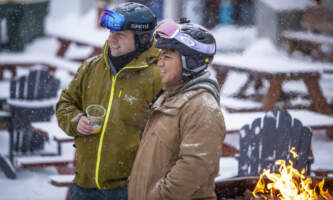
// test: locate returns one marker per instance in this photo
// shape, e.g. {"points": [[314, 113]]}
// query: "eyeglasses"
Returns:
{"points": [[112, 21], [171, 30]]}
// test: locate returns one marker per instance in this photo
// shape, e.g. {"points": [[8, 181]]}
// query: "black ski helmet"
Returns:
{"points": [[193, 60], [136, 17]]}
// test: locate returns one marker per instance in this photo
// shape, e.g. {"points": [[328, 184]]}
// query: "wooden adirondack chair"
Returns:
{"points": [[32, 99], [269, 139]]}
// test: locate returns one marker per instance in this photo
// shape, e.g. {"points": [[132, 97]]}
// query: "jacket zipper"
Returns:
{"points": [[114, 78]]}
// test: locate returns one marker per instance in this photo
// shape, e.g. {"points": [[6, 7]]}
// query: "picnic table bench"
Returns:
{"points": [[63, 180], [66, 171], [43, 161], [274, 71], [316, 40]]}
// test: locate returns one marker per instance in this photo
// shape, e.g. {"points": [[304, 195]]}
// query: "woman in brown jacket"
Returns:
{"points": [[179, 153]]}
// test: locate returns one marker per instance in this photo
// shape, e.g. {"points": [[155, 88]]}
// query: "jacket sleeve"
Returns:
{"points": [[157, 84], [155, 75], [202, 132], [69, 107]]}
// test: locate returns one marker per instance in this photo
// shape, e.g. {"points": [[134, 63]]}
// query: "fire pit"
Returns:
{"points": [[285, 183], [241, 187]]}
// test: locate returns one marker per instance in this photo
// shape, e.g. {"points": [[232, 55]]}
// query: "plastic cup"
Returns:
{"points": [[95, 114]]}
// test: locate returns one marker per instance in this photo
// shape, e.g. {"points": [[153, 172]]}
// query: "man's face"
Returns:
{"points": [[121, 42]]}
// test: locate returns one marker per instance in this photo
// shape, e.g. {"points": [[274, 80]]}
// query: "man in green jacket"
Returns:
{"points": [[124, 80]]}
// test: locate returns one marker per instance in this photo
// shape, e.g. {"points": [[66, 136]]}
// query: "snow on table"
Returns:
{"points": [[288, 4], [30, 160], [271, 64], [23, 58], [52, 129], [309, 36], [32, 103], [264, 56]]}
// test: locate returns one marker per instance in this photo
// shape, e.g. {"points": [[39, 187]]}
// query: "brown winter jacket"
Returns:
{"points": [[178, 157], [105, 160]]}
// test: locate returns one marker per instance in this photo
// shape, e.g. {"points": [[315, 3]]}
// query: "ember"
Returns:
{"points": [[289, 184]]}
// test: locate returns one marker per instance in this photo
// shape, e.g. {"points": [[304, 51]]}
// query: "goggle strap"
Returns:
{"points": [[196, 70], [140, 26], [194, 44]]}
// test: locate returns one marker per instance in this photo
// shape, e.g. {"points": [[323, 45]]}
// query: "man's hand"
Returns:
{"points": [[84, 126]]}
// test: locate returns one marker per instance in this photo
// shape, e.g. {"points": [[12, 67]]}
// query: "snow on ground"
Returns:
{"points": [[33, 184]]}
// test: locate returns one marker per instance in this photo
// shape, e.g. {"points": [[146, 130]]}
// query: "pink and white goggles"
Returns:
{"points": [[171, 30]]}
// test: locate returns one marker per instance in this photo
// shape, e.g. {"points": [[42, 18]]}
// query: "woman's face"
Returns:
{"points": [[170, 67]]}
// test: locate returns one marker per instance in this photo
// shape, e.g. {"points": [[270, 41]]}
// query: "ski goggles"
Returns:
{"points": [[112, 21], [171, 30], [117, 22]]}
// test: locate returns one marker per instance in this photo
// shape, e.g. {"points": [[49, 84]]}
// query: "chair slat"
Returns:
{"points": [[12, 89], [304, 150], [244, 159], [295, 138], [254, 146], [283, 135], [32, 78], [22, 87], [268, 142], [43, 80]]}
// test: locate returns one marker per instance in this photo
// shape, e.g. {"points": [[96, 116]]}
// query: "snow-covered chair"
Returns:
{"points": [[269, 139], [32, 99]]}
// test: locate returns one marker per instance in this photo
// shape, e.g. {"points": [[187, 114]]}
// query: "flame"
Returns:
{"points": [[289, 183]]}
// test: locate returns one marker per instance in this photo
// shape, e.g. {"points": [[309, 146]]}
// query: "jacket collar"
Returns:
{"points": [[172, 91], [175, 97], [171, 105]]}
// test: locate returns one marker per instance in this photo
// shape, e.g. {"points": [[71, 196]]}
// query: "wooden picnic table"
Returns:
{"points": [[276, 71], [65, 43], [318, 46]]}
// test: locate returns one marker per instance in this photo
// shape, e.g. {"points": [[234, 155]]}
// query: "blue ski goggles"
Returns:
{"points": [[171, 30], [112, 21], [117, 22]]}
